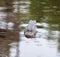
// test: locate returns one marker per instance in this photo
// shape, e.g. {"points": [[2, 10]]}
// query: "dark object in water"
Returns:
{"points": [[3, 33], [30, 31], [30, 34]]}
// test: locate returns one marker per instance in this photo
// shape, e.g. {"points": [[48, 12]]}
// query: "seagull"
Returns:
{"points": [[30, 31]]}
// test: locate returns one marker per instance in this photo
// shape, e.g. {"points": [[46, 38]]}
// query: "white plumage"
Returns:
{"points": [[30, 30]]}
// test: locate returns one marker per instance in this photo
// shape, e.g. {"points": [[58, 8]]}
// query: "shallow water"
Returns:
{"points": [[41, 46], [47, 40], [44, 45]]}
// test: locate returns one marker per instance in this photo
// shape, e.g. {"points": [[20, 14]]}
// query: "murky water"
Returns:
{"points": [[47, 40]]}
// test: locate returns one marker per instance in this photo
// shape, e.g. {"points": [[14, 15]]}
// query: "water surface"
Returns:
{"points": [[47, 41]]}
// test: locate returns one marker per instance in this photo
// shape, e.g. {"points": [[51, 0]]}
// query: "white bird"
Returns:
{"points": [[30, 30]]}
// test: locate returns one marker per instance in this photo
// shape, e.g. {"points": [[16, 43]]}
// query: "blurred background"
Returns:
{"points": [[14, 17]]}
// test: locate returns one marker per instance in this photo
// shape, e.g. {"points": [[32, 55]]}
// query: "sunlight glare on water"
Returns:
{"points": [[39, 46]]}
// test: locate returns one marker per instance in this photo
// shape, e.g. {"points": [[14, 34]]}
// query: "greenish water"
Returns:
{"points": [[41, 11]]}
